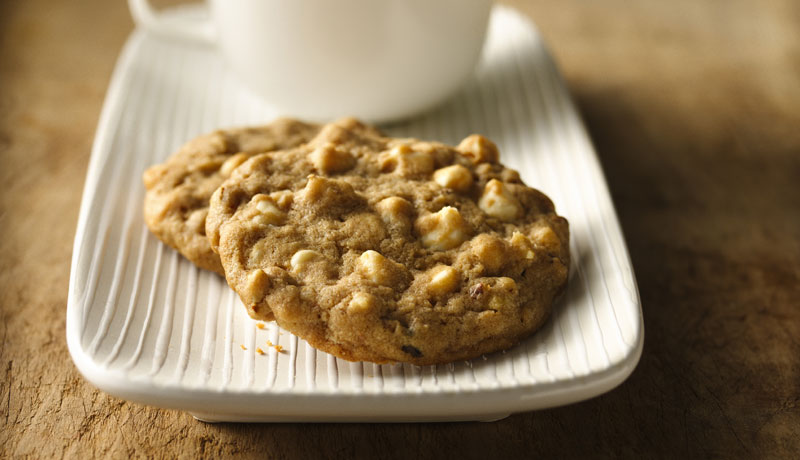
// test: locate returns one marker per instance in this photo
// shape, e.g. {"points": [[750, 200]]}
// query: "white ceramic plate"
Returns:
{"points": [[146, 325]]}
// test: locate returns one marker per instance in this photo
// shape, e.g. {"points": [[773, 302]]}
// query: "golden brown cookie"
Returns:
{"points": [[176, 201], [387, 250]]}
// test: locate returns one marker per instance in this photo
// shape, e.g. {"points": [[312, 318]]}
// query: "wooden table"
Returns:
{"points": [[694, 107]]}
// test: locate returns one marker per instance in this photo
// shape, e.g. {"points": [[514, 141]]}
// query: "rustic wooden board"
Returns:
{"points": [[694, 108]]}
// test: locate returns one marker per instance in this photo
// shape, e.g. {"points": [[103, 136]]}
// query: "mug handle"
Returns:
{"points": [[195, 30]]}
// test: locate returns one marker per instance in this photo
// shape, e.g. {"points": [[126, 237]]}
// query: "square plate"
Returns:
{"points": [[146, 325]]}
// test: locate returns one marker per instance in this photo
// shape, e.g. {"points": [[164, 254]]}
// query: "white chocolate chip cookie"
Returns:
{"points": [[390, 250]]}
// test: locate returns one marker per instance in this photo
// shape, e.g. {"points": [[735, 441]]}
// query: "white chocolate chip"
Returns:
{"points": [[444, 280], [268, 212], [361, 303], [505, 282], [498, 202], [478, 149], [316, 187], [442, 230], [395, 210], [232, 163], [370, 263], [326, 194], [402, 160], [378, 269], [302, 258], [330, 159], [455, 177]]}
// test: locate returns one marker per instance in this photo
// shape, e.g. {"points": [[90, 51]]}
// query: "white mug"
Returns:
{"points": [[379, 60]]}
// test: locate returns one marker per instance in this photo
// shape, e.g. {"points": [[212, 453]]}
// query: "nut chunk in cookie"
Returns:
{"points": [[390, 250]]}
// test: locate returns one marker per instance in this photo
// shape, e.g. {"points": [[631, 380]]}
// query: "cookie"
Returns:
{"points": [[176, 201], [390, 250]]}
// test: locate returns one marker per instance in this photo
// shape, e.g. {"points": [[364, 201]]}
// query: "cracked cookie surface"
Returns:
{"points": [[178, 190], [390, 250]]}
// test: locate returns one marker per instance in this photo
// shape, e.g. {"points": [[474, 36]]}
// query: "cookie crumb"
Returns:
{"points": [[259, 351], [243, 347], [279, 348], [269, 343]]}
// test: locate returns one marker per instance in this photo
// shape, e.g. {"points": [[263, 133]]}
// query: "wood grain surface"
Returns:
{"points": [[694, 107]]}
